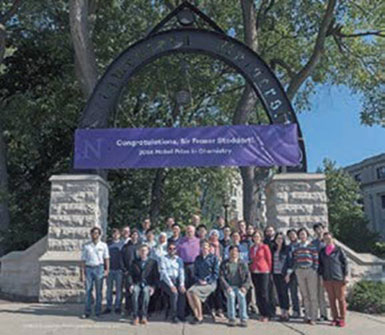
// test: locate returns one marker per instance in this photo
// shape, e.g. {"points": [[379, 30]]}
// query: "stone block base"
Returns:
{"points": [[295, 200], [60, 278]]}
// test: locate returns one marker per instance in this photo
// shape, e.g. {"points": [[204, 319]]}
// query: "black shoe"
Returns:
{"points": [[118, 311], [175, 320], [232, 323], [106, 311], [324, 318], [97, 315], [195, 321], [85, 316]]}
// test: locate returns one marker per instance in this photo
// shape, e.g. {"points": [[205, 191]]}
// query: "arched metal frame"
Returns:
{"points": [[216, 44]]}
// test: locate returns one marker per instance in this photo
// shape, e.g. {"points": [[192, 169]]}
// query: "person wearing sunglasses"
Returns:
{"points": [[172, 282]]}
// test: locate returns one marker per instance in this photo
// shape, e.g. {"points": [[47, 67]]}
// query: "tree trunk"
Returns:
{"points": [[246, 104], [249, 195], [4, 192], [156, 194], [4, 209], [85, 60]]}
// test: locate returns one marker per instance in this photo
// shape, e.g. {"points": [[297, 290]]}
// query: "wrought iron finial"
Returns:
{"points": [[186, 15]]}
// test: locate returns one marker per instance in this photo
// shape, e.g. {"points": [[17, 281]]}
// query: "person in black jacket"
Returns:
{"points": [[129, 254], [333, 267], [141, 280], [280, 255], [235, 281]]}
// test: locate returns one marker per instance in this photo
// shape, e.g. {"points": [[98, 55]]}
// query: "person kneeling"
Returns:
{"points": [[172, 282], [235, 280], [206, 272], [142, 279]]}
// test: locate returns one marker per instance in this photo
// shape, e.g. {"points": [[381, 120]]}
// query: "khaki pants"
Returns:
{"points": [[321, 297], [307, 282]]}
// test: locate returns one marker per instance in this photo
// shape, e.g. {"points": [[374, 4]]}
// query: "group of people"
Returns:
{"points": [[234, 269]]}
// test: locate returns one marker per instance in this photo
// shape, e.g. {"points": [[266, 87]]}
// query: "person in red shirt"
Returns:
{"points": [[260, 268]]}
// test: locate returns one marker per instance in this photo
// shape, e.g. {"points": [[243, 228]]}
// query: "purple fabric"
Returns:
{"points": [[188, 249], [181, 147]]}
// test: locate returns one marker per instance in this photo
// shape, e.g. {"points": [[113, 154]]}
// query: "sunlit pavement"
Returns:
{"points": [[55, 319]]}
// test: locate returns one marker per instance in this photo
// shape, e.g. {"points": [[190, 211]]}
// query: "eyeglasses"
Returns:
{"points": [[171, 249]]}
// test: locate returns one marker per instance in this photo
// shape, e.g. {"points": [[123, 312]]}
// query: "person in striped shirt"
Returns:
{"points": [[304, 262]]}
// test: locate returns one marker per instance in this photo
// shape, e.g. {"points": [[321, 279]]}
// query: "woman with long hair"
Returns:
{"points": [[280, 254], [333, 267], [260, 268]]}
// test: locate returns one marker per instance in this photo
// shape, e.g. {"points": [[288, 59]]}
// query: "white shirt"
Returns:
{"points": [[95, 254]]}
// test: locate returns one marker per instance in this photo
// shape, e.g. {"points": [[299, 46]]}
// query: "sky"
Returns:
{"points": [[332, 129]]}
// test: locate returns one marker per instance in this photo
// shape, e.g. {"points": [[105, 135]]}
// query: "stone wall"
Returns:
{"points": [[295, 200], [78, 203], [20, 272]]}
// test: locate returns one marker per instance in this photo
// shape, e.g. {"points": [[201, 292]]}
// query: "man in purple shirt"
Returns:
{"points": [[188, 249]]}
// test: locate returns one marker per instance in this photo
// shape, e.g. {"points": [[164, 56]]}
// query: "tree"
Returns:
{"points": [[4, 193], [307, 43], [312, 47], [346, 216]]}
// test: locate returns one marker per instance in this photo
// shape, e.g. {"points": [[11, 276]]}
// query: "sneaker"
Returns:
{"points": [[106, 311], [311, 323], [85, 316], [175, 320], [220, 314], [324, 318], [135, 322], [296, 315], [232, 323], [341, 323], [144, 321], [243, 323]]}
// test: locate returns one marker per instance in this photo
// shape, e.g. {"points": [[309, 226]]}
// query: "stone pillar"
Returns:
{"points": [[78, 203], [296, 200]]}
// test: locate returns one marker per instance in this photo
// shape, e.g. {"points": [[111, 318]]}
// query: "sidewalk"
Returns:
{"points": [[42, 319]]}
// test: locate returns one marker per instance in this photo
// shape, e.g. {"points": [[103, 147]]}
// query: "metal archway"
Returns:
{"points": [[214, 43]]}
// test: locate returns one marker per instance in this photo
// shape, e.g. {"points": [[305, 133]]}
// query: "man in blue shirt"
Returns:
{"points": [[172, 282], [116, 272]]}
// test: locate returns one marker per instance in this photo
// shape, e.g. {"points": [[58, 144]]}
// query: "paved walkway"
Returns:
{"points": [[44, 319]]}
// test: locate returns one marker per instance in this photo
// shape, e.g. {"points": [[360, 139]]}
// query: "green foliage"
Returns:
{"points": [[367, 297], [346, 216], [40, 99], [379, 249]]}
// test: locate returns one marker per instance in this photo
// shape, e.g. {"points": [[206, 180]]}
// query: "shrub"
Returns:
{"points": [[379, 249], [367, 297]]}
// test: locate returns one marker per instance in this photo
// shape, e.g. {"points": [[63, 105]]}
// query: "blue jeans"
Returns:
{"points": [[94, 275], [140, 297], [114, 276], [293, 288], [236, 294]]}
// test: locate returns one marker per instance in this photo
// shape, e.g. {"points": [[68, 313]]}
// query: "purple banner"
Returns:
{"points": [[181, 147]]}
